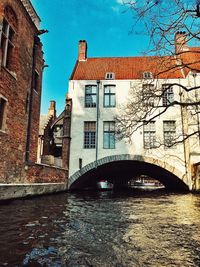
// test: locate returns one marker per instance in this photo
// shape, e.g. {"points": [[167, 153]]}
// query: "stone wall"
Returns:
{"points": [[12, 191], [196, 176]]}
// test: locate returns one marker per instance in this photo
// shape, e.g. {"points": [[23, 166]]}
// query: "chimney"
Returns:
{"points": [[52, 109], [180, 42], [82, 50]]}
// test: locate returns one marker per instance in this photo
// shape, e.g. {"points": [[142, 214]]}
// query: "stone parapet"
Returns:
{"points": [[13, 191]]}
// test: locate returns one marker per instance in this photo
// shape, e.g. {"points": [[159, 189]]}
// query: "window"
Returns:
{"points": [[7, 44], [109, 96], [36, 81], [147, 75], [89, 134], [149, 135], [168, 94], [3, 103], [110, 76], [169, 131], [148, 94], [90, 96], [109, 134]]}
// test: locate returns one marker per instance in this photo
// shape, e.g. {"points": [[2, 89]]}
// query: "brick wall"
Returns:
{"points": [[38, 173], [15, 86]]}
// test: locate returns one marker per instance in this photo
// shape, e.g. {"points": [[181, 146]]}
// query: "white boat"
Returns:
{"points": [[104, 185]]}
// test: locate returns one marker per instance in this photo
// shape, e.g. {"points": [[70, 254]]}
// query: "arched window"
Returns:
{"points": [[9, 28]]}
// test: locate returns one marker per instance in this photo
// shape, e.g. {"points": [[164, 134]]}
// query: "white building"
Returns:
{"points": [[100, 86]]}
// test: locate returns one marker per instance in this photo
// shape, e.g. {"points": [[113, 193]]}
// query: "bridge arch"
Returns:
{"points": [[129, 165]]}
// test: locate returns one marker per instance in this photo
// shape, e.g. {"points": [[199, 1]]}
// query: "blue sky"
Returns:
{"points": [[104, 24]]}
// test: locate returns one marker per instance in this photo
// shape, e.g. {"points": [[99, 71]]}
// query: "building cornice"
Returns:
{"points": [[32, 13]]}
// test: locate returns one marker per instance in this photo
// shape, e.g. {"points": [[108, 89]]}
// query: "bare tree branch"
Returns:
{"points": [[173, 29]]}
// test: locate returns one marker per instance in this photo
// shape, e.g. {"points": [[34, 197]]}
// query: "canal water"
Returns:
{"points": [[142, 229]]}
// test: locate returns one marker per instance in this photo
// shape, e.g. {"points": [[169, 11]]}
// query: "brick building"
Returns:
{"points": [[21, 67]]}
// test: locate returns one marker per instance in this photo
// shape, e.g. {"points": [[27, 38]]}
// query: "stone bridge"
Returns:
{"points": [[126, 167]]}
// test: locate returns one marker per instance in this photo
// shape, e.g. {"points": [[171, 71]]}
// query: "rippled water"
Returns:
{"points": [[101, 229]]}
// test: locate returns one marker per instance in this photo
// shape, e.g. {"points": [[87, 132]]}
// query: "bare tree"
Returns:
{"points": [[174, 33]]}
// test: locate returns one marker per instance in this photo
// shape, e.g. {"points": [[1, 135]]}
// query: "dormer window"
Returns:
{"points": [[110, 76], [147, 75]]}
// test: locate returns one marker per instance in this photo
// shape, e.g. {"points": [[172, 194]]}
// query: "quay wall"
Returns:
{"points": [[35, 179]]}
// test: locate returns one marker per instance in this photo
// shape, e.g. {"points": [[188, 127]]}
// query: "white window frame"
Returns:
{"points": [[90, 104], [169, 132], [168, 94], [149, 135], [110, 96], [109, 131], [147, 95], [89, 141]]}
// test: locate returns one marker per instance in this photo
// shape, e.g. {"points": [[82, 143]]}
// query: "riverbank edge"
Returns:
{"points": [[15, 191]]}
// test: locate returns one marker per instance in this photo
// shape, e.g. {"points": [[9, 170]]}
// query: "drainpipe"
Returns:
{"points": [[197, 108], [36, 42], [183, 133], [35, 45], [97, 122]]}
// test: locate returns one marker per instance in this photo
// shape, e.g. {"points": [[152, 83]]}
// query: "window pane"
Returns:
{"points": [[89, 134], [90, 101], [112, 126], [112, 89], [149, 135], [90, 126], [106, 140], [5, 26], [169, 128], [112, 140], [109, 134], [112, 100], [106, 126], [9, 56], [6, 44], [11, 34], [106, 101], [109, 96], [90, 96], [168, 95], [107, 89], [2, 111]]}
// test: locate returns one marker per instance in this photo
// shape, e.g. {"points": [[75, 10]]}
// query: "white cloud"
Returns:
{"points": [[121, 2]]}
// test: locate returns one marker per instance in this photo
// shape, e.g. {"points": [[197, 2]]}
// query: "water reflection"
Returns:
{"points": [[102, 229]]}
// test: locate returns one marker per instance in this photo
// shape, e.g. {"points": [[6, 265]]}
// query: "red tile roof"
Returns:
{"points": [[191, 60], [130, 67]]}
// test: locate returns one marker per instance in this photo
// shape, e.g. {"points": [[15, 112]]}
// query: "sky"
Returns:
{"points": [[106, 25]]}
